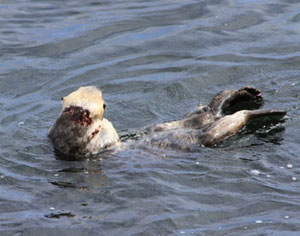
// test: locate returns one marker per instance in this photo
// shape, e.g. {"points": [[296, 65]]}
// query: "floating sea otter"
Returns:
{"points": [[81, 129]]}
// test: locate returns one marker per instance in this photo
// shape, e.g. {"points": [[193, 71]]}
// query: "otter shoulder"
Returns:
{"points": [[103, 136]]}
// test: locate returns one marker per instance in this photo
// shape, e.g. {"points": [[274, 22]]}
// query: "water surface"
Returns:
{"points": [[154, 61]]}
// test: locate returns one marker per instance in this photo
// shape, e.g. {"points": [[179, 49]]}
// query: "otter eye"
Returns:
{"points": [[104, 106], [62, 98]]}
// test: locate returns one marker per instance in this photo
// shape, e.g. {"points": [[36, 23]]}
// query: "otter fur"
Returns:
{"points": [[81, 129]]}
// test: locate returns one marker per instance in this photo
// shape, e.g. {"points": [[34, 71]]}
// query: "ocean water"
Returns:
{"points": [[154, 61]]}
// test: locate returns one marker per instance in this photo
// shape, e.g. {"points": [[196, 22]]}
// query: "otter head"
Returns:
{"points": [[84, 105], [79, 121], [230, 101]]}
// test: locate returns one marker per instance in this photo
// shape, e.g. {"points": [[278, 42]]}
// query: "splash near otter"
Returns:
{"points": [[81, 130]]}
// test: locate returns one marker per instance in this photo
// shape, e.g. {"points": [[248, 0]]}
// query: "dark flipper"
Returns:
{"points": [[269, 114], [230, 101], [231, 124]]}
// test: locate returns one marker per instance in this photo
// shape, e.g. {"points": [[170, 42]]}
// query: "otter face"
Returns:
{"points": [[85, 99]]}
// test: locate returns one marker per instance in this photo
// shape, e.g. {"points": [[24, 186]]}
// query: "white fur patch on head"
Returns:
{"points": [[88, 97]]}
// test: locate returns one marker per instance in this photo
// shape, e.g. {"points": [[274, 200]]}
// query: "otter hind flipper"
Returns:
{"points": [[228, 102], [272, 114], [258, 119], [231, 124]]}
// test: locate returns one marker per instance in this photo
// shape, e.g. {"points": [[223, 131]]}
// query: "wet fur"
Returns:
{"points": [[68, 135], [80, 129], [227, 113]]}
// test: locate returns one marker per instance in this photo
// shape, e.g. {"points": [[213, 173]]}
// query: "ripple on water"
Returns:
{"points": [[154, 61]]}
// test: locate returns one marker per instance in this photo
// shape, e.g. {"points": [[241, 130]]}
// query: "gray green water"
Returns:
{"points": [[154, 61]]}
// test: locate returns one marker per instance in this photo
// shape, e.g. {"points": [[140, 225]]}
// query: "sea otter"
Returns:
{"points": [[81, 129]]}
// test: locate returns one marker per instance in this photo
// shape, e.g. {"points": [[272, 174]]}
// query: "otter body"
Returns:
{"points": [[81, 129], [227, 113]]}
